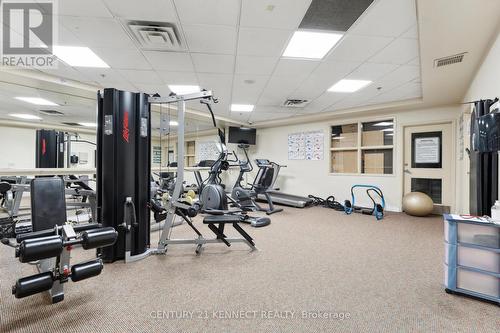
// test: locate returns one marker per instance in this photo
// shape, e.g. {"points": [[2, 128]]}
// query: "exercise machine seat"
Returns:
{"points": [[4, 187], [48, 203], [212, 219]]}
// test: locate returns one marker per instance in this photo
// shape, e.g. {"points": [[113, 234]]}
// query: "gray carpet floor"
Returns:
{"points": [[365, 276]]}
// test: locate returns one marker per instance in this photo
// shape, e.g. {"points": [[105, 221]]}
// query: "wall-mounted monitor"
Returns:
{"points": [[242, 135]]}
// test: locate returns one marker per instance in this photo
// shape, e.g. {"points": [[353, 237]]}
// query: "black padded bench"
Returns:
{"points": [[222, 220]]}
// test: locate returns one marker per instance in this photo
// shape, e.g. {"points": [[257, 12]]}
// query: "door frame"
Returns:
{"points": [[447, 121]]}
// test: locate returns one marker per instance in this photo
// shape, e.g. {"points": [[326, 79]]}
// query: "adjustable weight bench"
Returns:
{"points": [[222, 220]]}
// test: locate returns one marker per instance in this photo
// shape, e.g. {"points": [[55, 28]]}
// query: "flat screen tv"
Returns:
{"points": [[242, 135]]}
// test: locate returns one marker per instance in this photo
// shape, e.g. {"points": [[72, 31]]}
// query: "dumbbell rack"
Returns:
{"points": [[472, 258]]}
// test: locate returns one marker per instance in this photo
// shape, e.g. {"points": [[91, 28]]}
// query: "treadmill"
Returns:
{"points": [[278, 197]]}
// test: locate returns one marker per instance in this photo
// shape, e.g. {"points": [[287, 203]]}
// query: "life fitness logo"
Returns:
{"points": [[125, 131], [44, 146]]}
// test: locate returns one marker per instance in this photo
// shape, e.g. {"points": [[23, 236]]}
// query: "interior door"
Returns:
{"points": [[428, 158]]}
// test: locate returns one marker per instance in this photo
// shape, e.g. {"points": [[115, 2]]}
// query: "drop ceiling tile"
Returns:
{"points": [[347, 103], [277, 90], [220, 84], [255, 65], [170, 61], [411, 33], [181, 78], [66, 37], [324, 101], [262, 42], [123, 85], [388, 18], [398, 77], [400, 51], [122, 59], [87, 8], [245, 93], [153, 89], [213, 12], [414, 62], [64, 71], [299, 69], [279, 14], [98, 32], [213, 63], [102, 75], [371, 72], [145, 10], [265, 113], [240, 116], [210, 38], [137, 77], [323, 77], [358, 48]]}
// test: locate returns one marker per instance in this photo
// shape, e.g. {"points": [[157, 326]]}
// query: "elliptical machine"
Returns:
{"points": [[246, 196], [212, 194]]}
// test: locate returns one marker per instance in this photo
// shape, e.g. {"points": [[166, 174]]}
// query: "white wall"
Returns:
{"points": [[17, 148], [486, 83], [313, 177]]}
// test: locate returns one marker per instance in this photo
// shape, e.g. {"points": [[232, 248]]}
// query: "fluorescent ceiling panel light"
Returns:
{"points": [[349, 86], [25, 116], [88, 124], [36, 101], [388, 130], [311, 44], [173, 123], [383, 123], [242, 107], [184, 89], [78, 56]]}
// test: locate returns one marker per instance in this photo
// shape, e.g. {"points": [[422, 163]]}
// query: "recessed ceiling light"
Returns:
{"points": [[184, 89], [311, 44], [173, 123], [36, 101], [349, 86], [88, 124], [25, 116], [242, 107], [384, 123], [79, 56]]}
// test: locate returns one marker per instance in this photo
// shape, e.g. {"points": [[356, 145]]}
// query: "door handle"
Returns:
{"points": [[407, 171]]}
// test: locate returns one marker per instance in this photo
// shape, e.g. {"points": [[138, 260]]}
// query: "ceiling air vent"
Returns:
{"points": [[295, 103], [51, 112], [454, 59], [72, 124], [157, 36]]}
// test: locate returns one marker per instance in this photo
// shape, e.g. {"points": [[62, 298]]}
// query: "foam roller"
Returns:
{"points": [[86, 270], [102, 237], [39, 248], [34, 284]]}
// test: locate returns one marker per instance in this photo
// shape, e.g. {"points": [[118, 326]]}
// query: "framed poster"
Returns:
{"points": [[156, 154], [426, 150]]}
